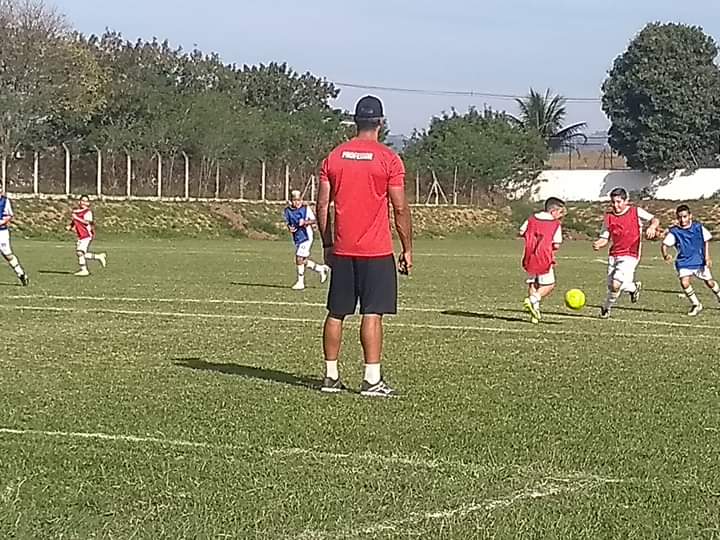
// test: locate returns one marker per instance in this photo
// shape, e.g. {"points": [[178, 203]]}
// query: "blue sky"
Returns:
{"points": [[486, 46]]}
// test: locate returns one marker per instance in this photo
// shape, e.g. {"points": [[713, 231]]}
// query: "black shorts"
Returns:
{"points": [[370, 281]]}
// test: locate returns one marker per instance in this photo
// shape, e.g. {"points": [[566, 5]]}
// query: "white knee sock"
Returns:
{"points": [[15, 265]]}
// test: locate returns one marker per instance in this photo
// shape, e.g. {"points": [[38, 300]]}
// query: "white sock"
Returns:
{"points": [[312, 265], [15, 265], [612, 298], [90, 256], [301, 273], [372, 373], [81, 262], [690, 293], [716, 290], [535, 299], [331, 369], [629, 287]]}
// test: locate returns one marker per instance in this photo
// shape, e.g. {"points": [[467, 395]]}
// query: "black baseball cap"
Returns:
{"points": [[369, 108]]}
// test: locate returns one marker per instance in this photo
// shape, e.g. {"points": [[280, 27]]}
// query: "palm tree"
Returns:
{"points": [[545, 114]]}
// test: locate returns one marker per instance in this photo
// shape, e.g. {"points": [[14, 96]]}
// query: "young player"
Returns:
{"points": [[300, 219], [692, 242], [542, 233], [623, 228], [84, 226], [6, 216]]}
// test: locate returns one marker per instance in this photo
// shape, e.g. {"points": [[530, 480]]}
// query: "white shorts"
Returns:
{"points": [[5, 248], [622, 269], [543, 280], [700, 273], [83, 244], [303, 250]]}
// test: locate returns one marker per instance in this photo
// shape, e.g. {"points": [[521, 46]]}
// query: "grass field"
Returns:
{"points": [[173, 395]]}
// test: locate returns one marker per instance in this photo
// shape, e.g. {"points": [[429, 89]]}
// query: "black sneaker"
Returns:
{"points": [[332, 386], [635, 296], [377, 390], [604, 313], [25, 280]]}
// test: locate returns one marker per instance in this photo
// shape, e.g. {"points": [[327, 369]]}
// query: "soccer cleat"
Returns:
{"points": [[695, 310], [635, 296], [377, 390], [324, 273], [24, 279], [299, 286], [102, 257], [82, 273], [535, 315], [332, 386], [604, 313]]}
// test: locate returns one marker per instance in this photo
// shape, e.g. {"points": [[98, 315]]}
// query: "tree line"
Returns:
{"points": [[58, 87]]}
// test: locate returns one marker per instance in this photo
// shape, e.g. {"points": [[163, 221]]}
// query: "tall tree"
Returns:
{"points": [[545, 114], [662, 96]]}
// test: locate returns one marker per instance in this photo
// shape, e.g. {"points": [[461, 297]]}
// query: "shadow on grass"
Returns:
{"points": [[662, 291], [56, 272], [249, 372], [489, 316], [264, 285]]}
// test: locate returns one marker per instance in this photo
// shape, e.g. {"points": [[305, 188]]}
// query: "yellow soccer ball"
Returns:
{"points": [[575, 299]]}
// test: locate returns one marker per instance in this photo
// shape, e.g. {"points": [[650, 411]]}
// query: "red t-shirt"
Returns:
{"points": [[360, 173], [624, 232], [539, 255]]}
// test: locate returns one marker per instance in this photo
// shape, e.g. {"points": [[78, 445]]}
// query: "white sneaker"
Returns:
{"points": [[82, 273], [324, 274], [695, 310], [299, 286], [102, 257]]}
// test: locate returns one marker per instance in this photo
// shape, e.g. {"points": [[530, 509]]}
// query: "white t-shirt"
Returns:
{"points": [[670, 239], [643, 217], [545, 216]]}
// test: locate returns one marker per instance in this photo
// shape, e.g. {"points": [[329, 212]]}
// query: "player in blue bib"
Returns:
{"points": [[6, 216], [300, 218], [692, 243]]}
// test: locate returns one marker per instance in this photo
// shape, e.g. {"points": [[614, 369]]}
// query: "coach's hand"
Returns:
{"points": [[405, 262], [328, 256]]}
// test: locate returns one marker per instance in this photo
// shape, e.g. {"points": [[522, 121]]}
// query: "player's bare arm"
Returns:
{"points": [[600, 243], [403, 223], [665, 253], [324, 220], [708, 258], [651, 232]]}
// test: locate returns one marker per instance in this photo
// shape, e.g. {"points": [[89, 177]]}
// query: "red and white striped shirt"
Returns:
{"points": [[82, 222]]}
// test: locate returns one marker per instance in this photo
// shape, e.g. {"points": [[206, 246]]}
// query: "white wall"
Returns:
{"points": [[589, 185]]}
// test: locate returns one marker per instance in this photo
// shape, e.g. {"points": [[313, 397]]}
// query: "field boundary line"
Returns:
{"points": [[318, 321], [548, 487], [231, 301], [392, 459]]}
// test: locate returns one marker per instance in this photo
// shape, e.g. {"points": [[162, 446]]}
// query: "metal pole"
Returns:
{"points": [[187, 175], [287, 182], [417, 187], [455, 194], [312, 188], [36, 173], [99, 171], [262, 184], [4, 174], [128, 186], [159, 176], [217, 181], [67, 169]]}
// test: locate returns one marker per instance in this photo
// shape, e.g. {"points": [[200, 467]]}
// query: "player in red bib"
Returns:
{"points": [[542, 233], [623, 228], [84, 226]]}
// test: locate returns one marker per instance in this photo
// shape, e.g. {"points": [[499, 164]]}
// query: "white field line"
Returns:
{"points": [[489, 329], [393, 459], [210, 301], [546, 488]]}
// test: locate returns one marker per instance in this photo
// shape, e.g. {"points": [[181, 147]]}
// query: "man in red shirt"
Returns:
{"points": [[623, 227], [360, 177]]}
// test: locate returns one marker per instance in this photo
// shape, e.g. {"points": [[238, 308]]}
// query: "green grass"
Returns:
{"points": [[170, 396]]}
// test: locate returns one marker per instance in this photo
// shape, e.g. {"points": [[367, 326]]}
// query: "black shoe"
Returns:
{"points": [[332, 386], [377, 390], [25, 280], [635, 296], [604, 313]]}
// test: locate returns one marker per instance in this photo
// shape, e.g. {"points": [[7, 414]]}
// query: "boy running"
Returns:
{"points": [[6, 216], [692, 243], [623, 228], [543, 235], [299, 219], [84, 226]]}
